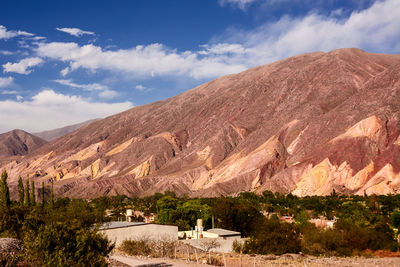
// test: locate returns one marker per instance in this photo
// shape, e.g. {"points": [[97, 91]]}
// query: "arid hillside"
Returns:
{"points": [[18, 143], [307, 125]]}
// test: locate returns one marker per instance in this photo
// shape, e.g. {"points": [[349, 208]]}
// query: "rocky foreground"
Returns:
{"points": [[308, 125]]}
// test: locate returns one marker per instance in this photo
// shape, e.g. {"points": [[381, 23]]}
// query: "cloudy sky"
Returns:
{"points": [[64, 62]]}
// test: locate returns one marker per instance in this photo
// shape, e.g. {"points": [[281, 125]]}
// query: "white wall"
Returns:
{"points": [[150, 231]]}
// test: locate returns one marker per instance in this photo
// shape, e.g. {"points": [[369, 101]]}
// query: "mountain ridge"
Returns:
{"points": [[296, 125]]}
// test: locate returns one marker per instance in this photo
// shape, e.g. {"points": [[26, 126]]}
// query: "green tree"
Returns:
{"points": [[66, 244], [191, 210], [42, 194], [274, 237], [302, 218], [5, 193], [21, 192], [52, 195], [27, 199], [166, 207], [33, 197], [395, 219]]}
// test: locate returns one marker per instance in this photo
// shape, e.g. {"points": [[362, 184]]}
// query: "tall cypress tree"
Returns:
{"points": [[33, 197], [5, 193], [21, 192], [52, 194], [42, 194], [27, 200]]}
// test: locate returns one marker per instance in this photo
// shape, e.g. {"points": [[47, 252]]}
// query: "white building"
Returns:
{"points": [[119, 231]]}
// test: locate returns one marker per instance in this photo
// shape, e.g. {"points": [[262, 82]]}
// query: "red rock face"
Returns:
{"points": [[308, 124]]}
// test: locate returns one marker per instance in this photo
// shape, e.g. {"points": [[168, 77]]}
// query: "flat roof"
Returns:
{"points": [[112, 225], [223, 232]]}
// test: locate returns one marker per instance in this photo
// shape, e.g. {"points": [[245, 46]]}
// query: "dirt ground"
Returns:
{"points": [[234, 260]]}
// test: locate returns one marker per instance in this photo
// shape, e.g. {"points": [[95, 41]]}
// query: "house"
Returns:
{"points": [[198, 237], [119, 231]]}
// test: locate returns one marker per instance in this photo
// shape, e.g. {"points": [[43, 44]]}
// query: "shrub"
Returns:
{"points": [[163, 247], [63, 244], [137, 247]]}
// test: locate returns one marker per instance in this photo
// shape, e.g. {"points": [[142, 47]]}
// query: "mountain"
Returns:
{"points": [[307, 125], [18, 143], [53, 134]]}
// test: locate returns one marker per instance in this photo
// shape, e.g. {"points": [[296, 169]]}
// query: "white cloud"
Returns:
{"points": [[5, 34], [108, 94], [6, 52], [75, 31], [367, 29], [242, 4], [22, 66], [238, 50], [105, 92], [9, 92], [140, 87], [65, 71], [19, 98], [222, 48], [6, 81], [87, 87], [49, 110], [144, 61]]}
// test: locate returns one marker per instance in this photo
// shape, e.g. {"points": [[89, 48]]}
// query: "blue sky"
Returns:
{"points": [[63, 62]]}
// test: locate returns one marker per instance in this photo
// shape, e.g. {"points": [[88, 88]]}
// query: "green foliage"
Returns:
{"points": [[181, 212], [21, 192], [27, 199], [166, 207], [33, 196], [239, 216], [274, 237], [4, 191], [148, 247], [302, 218], [136, 247], [347, 239], [51, 202], [66, 244], [395, 219]]}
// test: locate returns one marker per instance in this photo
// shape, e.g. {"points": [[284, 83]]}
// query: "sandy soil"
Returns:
{"points": [[233, 260]]}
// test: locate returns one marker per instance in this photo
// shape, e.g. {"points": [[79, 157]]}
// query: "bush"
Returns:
{"points": [[274, 237], [163, 247], [63, 244], [139, 247]]}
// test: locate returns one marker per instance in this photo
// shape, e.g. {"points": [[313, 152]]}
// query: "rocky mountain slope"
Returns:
{"points": [[55, 133], [307, 125], [18, 143]]}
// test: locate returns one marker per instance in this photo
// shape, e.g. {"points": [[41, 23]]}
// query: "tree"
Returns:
{"points": [[5, 193], [66, 244], [27, 200], [395, 219], [166, 207], [21, 192], [274, 237], [33, 198], [52, 195], [42, 194]]}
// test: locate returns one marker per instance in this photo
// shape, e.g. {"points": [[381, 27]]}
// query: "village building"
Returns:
{"points": [[119, 231], [197, 237]]}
